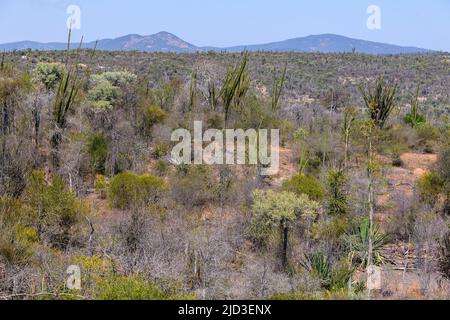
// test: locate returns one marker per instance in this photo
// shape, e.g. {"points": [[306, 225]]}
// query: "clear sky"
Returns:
{"points": [[421, 23]]}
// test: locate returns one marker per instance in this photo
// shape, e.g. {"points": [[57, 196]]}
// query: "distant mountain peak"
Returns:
{"points": [[164, 41]]}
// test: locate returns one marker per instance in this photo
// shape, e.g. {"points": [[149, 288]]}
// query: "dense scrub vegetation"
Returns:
{"points": [[86, 176]]}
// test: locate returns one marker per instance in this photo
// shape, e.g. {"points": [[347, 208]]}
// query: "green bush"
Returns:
{"points": [[194, 185], [160, 150], [336, 193], [428, 135], [101, 185], [133, 287], [161, 168], [115, 78], [305, 184], [49, 74], [152, 116], [430, 187], [54, 209], [17, 237], [103, 95], [128, 189], [98, 151]]}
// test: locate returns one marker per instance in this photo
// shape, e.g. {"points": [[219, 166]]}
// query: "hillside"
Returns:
{"points": [[167, 42]]}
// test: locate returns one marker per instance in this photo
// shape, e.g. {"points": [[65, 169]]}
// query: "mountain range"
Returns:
{"points": [[167, 42]]}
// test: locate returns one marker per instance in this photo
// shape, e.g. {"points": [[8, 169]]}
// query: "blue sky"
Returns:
{"points": [[422, 23]]}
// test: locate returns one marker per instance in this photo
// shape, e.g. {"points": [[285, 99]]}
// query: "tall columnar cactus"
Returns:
{"points": [[277, 88], [64, 103], [235, 85]]}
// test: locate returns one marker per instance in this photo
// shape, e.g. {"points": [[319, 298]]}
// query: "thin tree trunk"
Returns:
{"points": [[371, 214]]}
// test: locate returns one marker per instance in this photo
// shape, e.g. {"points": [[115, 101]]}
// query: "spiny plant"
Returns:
{"points": [[379, 100], [64, 101], [332, 277], [337, 196], [414, 118], [65, 97], [193, 91], [2, 61], [349, 120], [212, 95], [358, 241], [277, 88], [235, 85]]}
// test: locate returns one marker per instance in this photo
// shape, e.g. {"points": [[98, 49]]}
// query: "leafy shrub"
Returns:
{"points": [[115, 78], [98, 151], [336, 193], [161, 168], [430, 187], [151, 116], [194, 185], [101, 185], [160, 150], [17, 237], [103, 95], [428, 136], [106, 89], [49, 74], [132, 287], [128, 189], [305, 184], [54, 209], [277, 211]]}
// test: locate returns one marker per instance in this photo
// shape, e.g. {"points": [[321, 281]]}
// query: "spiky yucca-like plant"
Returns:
{"points": [[414, 118], [379, 100]]}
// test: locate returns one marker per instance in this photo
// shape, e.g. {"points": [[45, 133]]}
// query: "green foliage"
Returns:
{"points": [[194, 185], [444, 164], [336, 193], [358, 242], [115, 78], [54, 209], [152, 116], [133, 287], [101, 185], [160, 150], [414, 118], [97, 146], [235, 85], [161, 168], [300, 137], [64, 103], [107, 86], [380, 101], [305, 184], [431, 185], [333, 278], [49, 74], [277, 88], [128, 190], [104, 95], [272, 209], [17, 237]]}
